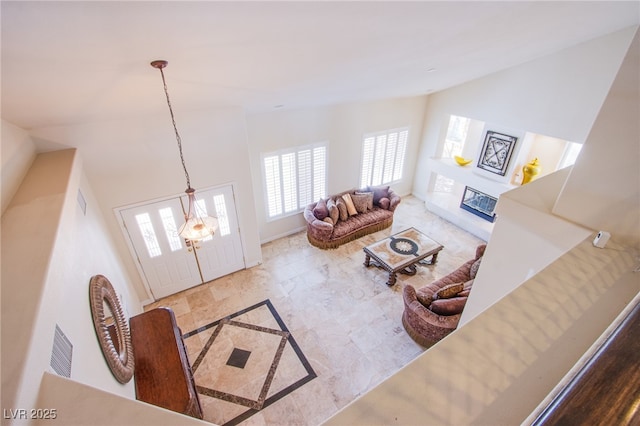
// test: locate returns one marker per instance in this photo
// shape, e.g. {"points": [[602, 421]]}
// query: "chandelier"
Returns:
{"points": [[197, 224]]}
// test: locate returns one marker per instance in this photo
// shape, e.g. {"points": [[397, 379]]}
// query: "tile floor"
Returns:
{"points": [[297, 338]]}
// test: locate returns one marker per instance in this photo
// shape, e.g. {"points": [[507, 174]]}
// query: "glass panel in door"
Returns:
{"points": [[166, 262]]}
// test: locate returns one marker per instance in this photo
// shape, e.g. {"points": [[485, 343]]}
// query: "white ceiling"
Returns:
{"points": [[75, 62]]}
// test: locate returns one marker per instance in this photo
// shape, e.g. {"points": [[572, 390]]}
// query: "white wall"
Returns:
{"points": [[18, 152], [343, 127], [84, 248], [50, 251], [81, 405], [526, 238], [603, 189], [122, 173], [558, 95], [29, 230]]}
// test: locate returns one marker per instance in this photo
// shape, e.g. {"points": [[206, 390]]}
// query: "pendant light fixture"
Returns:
{"points": [[197, 224]]}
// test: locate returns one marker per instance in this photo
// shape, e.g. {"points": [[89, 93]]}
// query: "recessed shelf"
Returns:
{"points": [[464, 137], [467, 175]]}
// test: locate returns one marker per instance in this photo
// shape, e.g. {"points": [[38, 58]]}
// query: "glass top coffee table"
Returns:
{"points": [[401, 253]]}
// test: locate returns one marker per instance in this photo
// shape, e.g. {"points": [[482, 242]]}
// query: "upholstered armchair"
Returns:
{"points": [[433, 311]]}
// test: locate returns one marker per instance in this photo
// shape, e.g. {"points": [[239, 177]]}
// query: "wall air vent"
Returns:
{"points": [[61, 354]]}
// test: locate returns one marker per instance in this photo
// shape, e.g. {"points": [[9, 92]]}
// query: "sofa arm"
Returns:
{"points": [[317, 228], [394, 200], [409, 295], [320, 230], [308, 214], [412, 303]]}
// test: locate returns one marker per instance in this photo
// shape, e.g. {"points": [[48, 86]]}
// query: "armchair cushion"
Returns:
{"points": [[449, 290], [451, 306], [424, 298]]}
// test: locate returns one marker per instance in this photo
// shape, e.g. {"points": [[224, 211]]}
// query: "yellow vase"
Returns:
{"points": [[530, 170]]}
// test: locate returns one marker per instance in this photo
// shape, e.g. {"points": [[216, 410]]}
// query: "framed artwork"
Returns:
{"points": [[496, 152], [479, 203]]}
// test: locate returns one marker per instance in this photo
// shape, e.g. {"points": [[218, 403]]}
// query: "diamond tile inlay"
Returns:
{"points": [[238, 358], [244, 388]]}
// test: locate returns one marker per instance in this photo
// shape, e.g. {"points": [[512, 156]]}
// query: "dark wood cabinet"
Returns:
{"points": [[162, 372]]}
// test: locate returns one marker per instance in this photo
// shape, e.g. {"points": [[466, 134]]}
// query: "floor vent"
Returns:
{"points": [[61, 354]]}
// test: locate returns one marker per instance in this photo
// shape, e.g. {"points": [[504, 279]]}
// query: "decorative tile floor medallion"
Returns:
{"points": [[248, 361], [238, 358]]}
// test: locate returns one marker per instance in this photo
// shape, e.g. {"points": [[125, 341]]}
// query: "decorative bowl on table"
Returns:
{"points": [[461, 160]]}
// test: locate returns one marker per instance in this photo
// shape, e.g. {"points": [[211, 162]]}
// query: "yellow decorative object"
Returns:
{"points": [[461, 160], [530, 170]]}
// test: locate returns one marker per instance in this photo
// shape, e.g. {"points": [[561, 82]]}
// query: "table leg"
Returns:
{"points": [[367, 260], [392, 279], [409, 270], [434, 258]]}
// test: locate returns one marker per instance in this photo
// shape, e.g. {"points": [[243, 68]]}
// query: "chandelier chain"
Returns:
{"points": [[175, 128]]}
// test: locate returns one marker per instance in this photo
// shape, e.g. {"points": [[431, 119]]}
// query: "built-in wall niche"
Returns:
{"points": [[466, 137], [552, 154]]}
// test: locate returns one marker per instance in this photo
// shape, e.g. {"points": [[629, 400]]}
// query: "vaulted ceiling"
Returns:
{"points": [[73, 62]]}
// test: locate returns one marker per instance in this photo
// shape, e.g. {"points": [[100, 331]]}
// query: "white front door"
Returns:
{"points": [[221, 254], [168, 263]]}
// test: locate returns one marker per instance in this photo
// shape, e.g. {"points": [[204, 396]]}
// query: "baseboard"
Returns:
{"points": [[284, 234]]}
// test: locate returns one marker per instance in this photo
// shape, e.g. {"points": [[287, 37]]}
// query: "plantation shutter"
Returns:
{"points": [[272, 184], [294, 178], [383, 157]]}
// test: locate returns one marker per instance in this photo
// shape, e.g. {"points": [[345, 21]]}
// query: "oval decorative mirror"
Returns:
{"points": [[111, 328]]}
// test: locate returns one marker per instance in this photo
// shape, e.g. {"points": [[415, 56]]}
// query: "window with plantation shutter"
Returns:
{"points": [[294, 178], [383, 157]]}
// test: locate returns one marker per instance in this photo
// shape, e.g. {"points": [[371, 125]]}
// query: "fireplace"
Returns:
{"points": [[479, 203]]}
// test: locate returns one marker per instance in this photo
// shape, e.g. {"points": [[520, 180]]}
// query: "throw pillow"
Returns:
{"points": [[474, 268], [424, 299], [384, 203], [334, 213], [369, 195], [450, 290], [350, 207], [320, 211], [328, 220], [342, 208], [379, 192], [451, 306], [360, 202], [468, 285], [466, 290]]}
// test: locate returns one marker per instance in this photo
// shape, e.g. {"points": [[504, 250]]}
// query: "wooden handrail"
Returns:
{"points": [[606, 390]]}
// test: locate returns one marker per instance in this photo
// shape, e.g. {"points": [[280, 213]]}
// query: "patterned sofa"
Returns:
{"points": [[433, 311], [349, 215]]}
